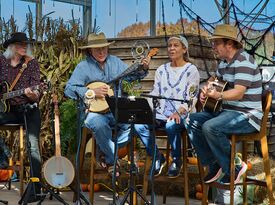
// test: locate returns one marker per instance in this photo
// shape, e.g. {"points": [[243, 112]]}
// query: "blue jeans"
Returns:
{"points": [[173, 131], [102, 125], [209, 134]]}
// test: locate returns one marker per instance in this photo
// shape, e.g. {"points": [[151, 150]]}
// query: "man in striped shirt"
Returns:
{"points": [[241, 111]]}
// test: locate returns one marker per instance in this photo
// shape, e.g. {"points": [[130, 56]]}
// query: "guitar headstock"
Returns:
{"points": [[153, 52]]}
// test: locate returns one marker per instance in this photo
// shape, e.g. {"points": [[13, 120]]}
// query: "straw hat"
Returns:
{"points": [[226, 31], [96, 41], [17, 37]]}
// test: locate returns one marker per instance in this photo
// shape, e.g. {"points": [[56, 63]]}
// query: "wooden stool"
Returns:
{"points": [[259, 136], [93, 174], [13, 128], [161, 132]]}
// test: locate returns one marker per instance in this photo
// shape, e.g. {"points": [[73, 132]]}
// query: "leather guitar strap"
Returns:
{"points": [[24, 66]]}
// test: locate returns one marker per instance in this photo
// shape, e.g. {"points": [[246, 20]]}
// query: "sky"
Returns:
{"points": [[114, 15]]}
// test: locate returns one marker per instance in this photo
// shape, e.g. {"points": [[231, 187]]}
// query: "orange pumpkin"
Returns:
{"points": [[84, 187], [122, 152], [198, 187], [199, 195], [249, 165], [192, 160], [5, 174], [96, 187]]}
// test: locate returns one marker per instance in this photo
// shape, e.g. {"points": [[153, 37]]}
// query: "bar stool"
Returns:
{"points": [[94, 175], [161, 132], [13, 128], [259, 136]]}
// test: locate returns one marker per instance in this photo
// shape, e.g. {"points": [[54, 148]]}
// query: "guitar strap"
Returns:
{"points": [[24, 66]]}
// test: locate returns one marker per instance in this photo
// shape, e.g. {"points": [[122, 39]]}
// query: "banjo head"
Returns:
{"points": [[58, 172]]}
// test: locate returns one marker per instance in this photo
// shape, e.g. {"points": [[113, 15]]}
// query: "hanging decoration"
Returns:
{"points": [[110, 8], [136, 10]]}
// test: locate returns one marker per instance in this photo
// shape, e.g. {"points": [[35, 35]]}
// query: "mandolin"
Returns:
{"points": [[58, 171], [6, 94], [99, 104], [211, 104]]}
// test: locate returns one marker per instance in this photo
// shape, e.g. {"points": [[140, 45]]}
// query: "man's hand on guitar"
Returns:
{"points": [[32, 94], [101, 91]]}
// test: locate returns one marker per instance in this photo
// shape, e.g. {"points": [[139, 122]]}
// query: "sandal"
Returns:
{"points": [[101, 162]]}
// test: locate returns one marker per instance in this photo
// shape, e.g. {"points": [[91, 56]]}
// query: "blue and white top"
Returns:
{"points": [[177, 83]]}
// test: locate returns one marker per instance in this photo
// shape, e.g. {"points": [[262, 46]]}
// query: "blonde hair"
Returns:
{"points": [[9, 53]]}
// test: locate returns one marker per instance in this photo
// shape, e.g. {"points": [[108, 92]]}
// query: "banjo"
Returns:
{"points": [[58, 171], [99, 104]]}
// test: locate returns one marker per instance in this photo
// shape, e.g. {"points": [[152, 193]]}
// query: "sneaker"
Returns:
{"points": [[159, 165], [215, 172], [174, 169], [239, 171]]}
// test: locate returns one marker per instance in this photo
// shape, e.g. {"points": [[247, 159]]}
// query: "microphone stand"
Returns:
{"points": [[116, 88], [154, 147], [79, 137]]}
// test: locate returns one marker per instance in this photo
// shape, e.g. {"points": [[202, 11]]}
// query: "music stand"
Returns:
{"points": [[131, 111]]}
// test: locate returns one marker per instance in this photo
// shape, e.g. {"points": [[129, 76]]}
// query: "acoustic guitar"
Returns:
{"points": [[211, 104], [58, 171], [6, 94], [99, 104]]}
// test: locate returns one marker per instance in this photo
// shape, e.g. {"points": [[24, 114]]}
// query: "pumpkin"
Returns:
{"points": [[5, 174], [122, 152], [198, 187], [96, 187], [192, 160], [199, 195]]}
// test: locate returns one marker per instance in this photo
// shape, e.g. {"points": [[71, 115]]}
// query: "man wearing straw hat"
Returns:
{"points": [[100, 66], [241, 111]]}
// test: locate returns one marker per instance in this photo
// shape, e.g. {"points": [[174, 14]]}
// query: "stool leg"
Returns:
{"points": [[145, 177], [232, 168], [267, 169], [93, 161], [185, 172], [244, 158], [21, 156]]}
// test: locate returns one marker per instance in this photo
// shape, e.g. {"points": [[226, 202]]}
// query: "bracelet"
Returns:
{"points": [[221, 96]]}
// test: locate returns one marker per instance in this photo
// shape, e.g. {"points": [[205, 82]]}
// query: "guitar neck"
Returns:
{"points": [[17, 93]]}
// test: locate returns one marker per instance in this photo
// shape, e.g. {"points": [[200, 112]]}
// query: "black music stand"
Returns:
{"points": [[131, 111]]}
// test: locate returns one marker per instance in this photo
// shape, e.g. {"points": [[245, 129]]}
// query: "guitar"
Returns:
{"points": [[99, 104], [58, 171], [212, 104], [6, 94]]}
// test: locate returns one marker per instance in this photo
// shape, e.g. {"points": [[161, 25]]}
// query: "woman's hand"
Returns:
{"points": [[176, 117]]}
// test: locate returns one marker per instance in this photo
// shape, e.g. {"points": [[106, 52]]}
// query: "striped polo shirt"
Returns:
{"points": [[243, 70]]}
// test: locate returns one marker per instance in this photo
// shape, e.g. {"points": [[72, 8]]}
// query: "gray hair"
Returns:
{"points": [[9, 53]]}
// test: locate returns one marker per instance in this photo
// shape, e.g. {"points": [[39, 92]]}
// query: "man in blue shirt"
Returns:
{"points": [[103, 67]]}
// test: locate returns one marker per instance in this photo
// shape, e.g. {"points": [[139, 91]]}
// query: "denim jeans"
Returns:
{"points": [[16, 115], [209, 134], [102, 126], [173, 131]]}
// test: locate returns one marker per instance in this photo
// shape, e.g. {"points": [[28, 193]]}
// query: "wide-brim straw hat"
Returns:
{"points": [[96, 41], [226, 31], [17, 37]]}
